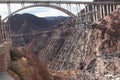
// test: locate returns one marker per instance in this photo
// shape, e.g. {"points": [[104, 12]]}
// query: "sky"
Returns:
{"points": [[38, 11]]}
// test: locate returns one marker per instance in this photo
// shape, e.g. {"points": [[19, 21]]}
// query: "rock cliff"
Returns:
{"points": [[93, 50]]}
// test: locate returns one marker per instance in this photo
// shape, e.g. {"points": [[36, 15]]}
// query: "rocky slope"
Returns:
{"points": [[25, 65], [107, 39], [92, 51], [33, 23], [25, 27]]}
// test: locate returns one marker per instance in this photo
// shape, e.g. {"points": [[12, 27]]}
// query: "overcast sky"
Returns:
{"points": [[38, 11]]}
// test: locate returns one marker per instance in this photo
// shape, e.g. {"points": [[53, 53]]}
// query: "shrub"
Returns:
{"points": [[15, 54]]}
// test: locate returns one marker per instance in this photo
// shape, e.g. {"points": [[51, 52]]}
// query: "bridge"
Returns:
{"points": [[64, 6], [85, 13], [82, 12]]}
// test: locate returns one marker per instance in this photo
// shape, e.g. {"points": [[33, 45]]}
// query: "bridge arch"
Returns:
{"points": [[44, 5]]}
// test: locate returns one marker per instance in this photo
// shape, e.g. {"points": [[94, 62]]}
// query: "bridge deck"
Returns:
{"points": [[54, 1]]}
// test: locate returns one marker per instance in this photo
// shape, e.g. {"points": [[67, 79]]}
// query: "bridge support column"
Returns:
{"points": [[9, 8], [1, 31]]}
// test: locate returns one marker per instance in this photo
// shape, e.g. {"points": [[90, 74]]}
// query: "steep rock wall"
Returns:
{"points": [[93, 51]]}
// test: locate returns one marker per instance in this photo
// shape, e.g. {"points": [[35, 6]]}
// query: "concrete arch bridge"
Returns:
{"points": [[83, 12]]}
